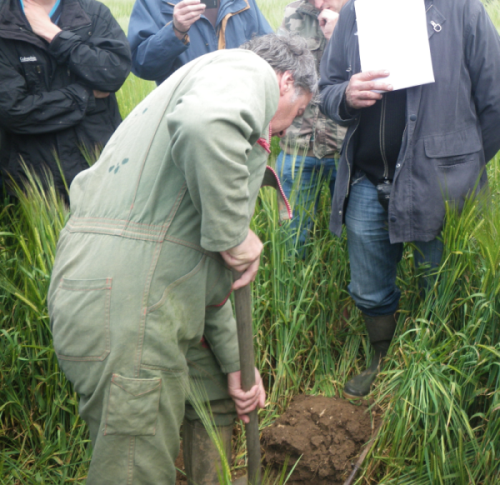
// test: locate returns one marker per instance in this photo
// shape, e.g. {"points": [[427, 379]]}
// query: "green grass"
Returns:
{"points": [[439, 390]]}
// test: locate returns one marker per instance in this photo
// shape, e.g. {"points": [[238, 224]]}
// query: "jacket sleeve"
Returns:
{"points": [[155, 48], [284, 27], [211, 146], [334, 76], [221, 333], [483, 60], [103, 62], [24, 113], [264, 27]]}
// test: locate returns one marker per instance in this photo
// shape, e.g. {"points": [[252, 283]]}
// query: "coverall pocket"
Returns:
{"points": [[80, 319], [133, 406]]}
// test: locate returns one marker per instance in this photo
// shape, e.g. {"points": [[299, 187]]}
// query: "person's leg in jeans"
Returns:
{"points": [[373, 261], [427, 257], [302, 176]]}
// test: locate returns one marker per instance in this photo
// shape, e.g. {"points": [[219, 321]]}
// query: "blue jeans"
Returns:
{"points": [[304, 175], [373, 258]]}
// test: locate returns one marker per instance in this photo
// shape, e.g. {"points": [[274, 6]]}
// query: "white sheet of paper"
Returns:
{"points": [[393, 36]]}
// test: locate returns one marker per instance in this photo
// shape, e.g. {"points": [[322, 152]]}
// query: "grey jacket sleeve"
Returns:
{"points": [[483, 61]]}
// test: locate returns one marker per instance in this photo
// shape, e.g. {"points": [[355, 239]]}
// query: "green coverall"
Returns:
{"points": [[138, 278]]}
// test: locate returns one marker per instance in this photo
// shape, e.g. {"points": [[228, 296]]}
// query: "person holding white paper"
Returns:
{"points": [[408, 152]]}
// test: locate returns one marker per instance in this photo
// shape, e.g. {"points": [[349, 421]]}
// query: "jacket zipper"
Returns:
{"points": [[382, 137], [347, 159], [402, 140]]}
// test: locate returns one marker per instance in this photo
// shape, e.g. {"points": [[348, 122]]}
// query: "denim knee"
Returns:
{"points": [[373, 259]]}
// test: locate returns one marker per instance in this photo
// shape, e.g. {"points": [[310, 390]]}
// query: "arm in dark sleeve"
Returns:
{"points": [[24, 113], [483, 60], [155, 48], [103, 62], [334, 76]]}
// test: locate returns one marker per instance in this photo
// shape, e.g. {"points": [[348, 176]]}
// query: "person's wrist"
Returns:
{"points": [[182, 35], [183, 32], [50, 33]]}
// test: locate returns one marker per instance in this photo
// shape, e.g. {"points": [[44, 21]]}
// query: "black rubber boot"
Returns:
{"points": [[380, 331], [201, 458]]}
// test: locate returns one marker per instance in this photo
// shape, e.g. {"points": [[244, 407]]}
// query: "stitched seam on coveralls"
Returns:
{"points": [[140, 394], [194, 246], [163, 369], [147, 286], [106, 226], [176, 283], [173, 90], [131, 454]]}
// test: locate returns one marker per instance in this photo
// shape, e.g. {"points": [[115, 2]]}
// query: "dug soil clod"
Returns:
{"points": [[329, 434]]}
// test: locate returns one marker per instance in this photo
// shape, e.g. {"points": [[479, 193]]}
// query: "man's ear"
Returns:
{"points": [[285, 81]]}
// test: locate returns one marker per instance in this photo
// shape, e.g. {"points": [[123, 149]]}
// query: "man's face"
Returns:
{"points": [[290, 106], [335, 5]]}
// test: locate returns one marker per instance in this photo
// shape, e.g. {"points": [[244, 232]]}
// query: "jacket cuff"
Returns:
{"points": [[62, 45], [82, 96], [169, 41], [227, 369], [219, 245], [345, 112], [90, 100]]}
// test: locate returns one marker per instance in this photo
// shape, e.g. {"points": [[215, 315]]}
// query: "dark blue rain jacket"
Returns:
{"points": [[157, 52], [452, 125]]}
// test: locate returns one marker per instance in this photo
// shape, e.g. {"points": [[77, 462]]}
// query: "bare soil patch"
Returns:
{"points": [[329, 434]]}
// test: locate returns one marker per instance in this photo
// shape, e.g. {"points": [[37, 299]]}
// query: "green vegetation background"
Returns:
{"points": [[439, 392]]}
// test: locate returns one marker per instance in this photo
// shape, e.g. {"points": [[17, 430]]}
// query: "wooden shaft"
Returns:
{"points": [[362, 457], [243, 311]]}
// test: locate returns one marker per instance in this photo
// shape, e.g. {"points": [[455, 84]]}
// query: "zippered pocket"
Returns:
{"points": [[34, 75]]}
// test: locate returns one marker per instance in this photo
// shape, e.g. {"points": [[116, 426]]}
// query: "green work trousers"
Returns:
{"points": [[131, 363]]}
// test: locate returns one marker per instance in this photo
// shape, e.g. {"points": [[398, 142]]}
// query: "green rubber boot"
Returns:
{"points": [[380, 331], [201, 458]]}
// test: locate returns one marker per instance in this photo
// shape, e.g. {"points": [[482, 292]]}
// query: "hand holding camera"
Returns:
{"points": [[186, 13]]}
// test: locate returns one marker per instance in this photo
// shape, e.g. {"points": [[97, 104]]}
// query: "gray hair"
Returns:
{"points": [[285, 52]]}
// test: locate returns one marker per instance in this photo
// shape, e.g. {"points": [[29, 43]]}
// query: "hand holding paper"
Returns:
{"points": [[364, 89], [393, 37]]}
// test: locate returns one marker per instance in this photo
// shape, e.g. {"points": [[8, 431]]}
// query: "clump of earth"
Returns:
{"points": [[327, 433]]}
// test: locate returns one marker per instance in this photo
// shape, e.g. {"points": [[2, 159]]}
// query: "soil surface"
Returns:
{"points": [[329, 434]]}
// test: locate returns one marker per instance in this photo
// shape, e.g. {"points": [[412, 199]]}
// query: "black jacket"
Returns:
{"points": [[47, 106]]}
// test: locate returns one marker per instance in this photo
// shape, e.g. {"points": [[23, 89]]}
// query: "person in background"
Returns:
{"points": [[310, 149], [408, 153], [166, 35], [61, 61], [143, 267]]}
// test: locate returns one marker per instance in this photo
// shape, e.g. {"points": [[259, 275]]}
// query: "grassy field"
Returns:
{"points": [[439, 390]]}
